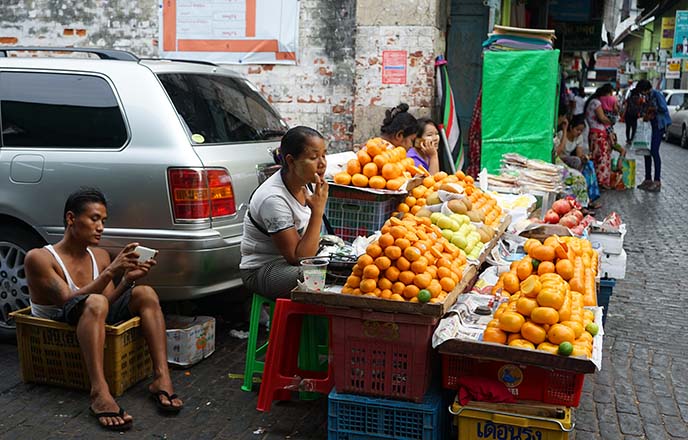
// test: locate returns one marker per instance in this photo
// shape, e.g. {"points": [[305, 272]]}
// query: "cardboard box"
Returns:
{"points": [[613, 265], [608, 242], [189, 339]]}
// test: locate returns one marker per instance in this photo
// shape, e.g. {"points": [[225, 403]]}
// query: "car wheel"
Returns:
{"points": [[14, 290], [684, 138]]}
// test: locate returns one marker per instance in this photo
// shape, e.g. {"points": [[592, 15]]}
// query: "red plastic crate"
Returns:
{"points": [[526, 382], [382, 354]]}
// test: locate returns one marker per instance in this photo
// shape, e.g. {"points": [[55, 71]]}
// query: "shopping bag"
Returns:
{"points": [[628, 171], [642, 139], [591, 180]]}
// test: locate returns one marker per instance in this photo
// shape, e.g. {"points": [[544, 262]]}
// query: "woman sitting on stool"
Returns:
{"points": [[284, 218]]}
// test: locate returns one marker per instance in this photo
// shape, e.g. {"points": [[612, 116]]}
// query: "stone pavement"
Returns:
{"points": [[641, 393]]}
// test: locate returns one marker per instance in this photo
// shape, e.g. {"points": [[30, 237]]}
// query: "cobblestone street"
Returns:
{"points": [[641, 393]]}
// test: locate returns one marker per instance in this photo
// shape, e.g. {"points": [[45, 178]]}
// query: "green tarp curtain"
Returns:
{"points": [[519, 105]]}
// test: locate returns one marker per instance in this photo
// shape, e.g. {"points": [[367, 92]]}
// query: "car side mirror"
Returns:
{"points": [[678, 107]]}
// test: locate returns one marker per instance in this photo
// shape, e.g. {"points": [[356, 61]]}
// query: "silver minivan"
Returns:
{"points": [[176, 146]]}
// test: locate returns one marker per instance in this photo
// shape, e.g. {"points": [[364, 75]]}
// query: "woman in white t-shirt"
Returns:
{"points": [[284, 218]]}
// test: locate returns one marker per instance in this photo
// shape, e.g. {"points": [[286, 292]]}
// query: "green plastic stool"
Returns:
{"points": [[313, 346], [253, 365]]}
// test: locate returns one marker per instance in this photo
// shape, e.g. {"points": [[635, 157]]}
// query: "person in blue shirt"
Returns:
{"points": [[657, 112]]}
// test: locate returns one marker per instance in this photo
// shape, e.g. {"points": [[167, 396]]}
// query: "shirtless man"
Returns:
{"points": [[72, 281]]}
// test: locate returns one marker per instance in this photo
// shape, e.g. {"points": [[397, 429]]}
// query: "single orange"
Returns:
{"points": [[511, 322], [420, 265], [392, 273], [545, 267], [368, 285], [374, 250], [385, 240], [395, 184], [381, 160], [384, 283], [511, 282], [396, 297], [397, 231], [524, 269], [363, 157], [422, 280], [398, 287], [342, 178], [403, 208], [393, 252], [403, 243], [359, 180], [365, 260], [390, 171], [410, 200], [435, 288], [353, 167], [447, 284], [565, 269], [495, 335], [533, 333], [353, 281], [369, 170], [377, 182], [412, 253], [525, 306], [407, 277], [386, 294], [371, 272], [402, 262], [383, 262], [411, 291], [373, 149]]}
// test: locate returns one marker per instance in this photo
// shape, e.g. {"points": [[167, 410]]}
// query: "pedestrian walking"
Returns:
{"points": [[656, 111]]}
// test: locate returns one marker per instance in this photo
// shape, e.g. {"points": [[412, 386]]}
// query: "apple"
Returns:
{"points": [[561, 207], [551, 217]]}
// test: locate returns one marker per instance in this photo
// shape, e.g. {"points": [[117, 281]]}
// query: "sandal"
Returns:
{"points": [[123, 427], [155, 395]]}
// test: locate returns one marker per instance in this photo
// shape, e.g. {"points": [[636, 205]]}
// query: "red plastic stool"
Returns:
{"points": [[281, 373]]}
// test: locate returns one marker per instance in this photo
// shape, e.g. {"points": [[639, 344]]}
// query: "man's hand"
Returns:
{"points": [[140, 271], [126, 260]]}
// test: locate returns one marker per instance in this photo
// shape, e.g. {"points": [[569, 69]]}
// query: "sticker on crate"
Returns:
{"points": [[189, 339]]}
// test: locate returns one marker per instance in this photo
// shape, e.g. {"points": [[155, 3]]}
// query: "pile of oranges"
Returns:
{"points": [[411, 261], [378, 165], [547, 292], [483, 205]]}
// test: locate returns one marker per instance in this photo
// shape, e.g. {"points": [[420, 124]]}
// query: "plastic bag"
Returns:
{"points": [[643, 139], [591, 181]]}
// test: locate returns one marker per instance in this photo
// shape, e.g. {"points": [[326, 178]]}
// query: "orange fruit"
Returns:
{"points": [[381, 160], [407, 277], [533, 332], [511, 282], [412, 253], [377, 182], [342, 178], [522, 343], [357, 270], [386, 294], [443, 262], [383, 263], [420, 265], [396, 297], [548, 347], [545, 267], [544, 315], [443, 272], [531, 286], [410, 291], [395, 184], [393, 252], [392, 273], [368, 285], [371, 271], [432, 270], [435, 288], [353, 167], [565, 269], [410, 200], [525, 305], [422, 280], [418, 191], [403, 208], [511, 322], [384, 283], [559, 333], [493, 334], [428, 182], [447, 284], [550, 297], [576, 326], [369, 170], [402, 262], [398, 287], [542, 252], [385, 240], [524, 269], [363, 157], [373, 149], [403, 243], [397, 231], [390, 171], [374, 250], [365, 260], [359, 180]]}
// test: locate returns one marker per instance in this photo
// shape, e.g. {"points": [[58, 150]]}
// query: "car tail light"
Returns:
{"points": [[199, 194]]}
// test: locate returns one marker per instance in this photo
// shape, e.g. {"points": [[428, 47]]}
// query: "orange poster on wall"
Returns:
{"points": [[230, 31]]}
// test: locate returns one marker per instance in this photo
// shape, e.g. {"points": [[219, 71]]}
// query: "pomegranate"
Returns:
{"points": [[569, 221], [561, 207], [576, 213], [551, 217]]}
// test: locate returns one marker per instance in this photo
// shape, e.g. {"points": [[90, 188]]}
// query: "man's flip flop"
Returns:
{"points": [[123, 427], [155, 395]]}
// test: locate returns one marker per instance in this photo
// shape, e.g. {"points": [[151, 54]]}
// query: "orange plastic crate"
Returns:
{"points": [[49, 353]]}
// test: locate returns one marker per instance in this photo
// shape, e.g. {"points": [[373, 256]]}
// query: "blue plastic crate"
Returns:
{"points": [[354, 417], [604, 295]]}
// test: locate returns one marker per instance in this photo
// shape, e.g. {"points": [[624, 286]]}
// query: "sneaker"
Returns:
{"points": [[645, 184], [656, 186]]}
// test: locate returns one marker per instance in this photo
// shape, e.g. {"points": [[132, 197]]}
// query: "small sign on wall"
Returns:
{"points": [[394, 66]]}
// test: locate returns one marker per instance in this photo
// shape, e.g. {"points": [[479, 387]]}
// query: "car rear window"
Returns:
{"points": [[54, 110], [221, 109]]}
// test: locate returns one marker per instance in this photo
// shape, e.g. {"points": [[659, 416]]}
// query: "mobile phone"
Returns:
{"points": [[145, 253]]}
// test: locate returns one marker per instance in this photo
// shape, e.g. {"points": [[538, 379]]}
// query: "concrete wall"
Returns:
{"points": [[336, 86]]}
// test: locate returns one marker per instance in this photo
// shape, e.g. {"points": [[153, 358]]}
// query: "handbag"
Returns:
{"points": [[642, 139], [591, 180]]}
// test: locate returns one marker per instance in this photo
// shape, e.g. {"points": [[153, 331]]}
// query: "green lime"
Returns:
{"points": [[424, 296], [592, 328], [565, 348], [535, 263]]}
